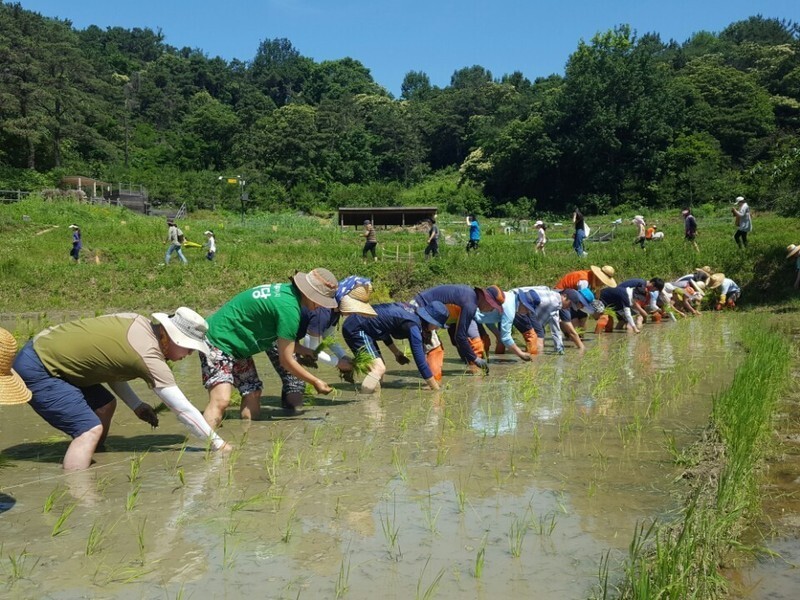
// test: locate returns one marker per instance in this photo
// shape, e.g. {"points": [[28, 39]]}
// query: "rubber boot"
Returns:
{"points": [[478, 347], [602, 324], [656, 317], [531, 341], [500, 348], [435, 360]]}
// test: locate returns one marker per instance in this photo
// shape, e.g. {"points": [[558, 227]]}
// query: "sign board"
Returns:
{"points": [[232, 180]]}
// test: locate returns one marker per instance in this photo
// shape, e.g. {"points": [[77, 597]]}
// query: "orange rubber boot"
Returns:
{"points": [[435, 360], [657, 317], [602, 324], [531, 341]]}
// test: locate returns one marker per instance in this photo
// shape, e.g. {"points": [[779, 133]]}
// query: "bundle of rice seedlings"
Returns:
{"points": [[324, 345], [362, 362], [161, 408]]}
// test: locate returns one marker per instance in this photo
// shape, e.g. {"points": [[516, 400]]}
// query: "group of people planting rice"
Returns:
{"points": [[63, 371]]}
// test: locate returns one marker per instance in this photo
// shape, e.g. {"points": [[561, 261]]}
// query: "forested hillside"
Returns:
{"points": [[634, 120]]}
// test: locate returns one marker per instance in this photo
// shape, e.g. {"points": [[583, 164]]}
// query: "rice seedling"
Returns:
{"points": [[61, 523], [461, 494], [324, 345], [53, 497], [160, 408], [545, 525], [19, 567], [97, 535], [288, 530], [181, 476], [140, 538], [342, 581], [399, 464], [430, 517], [316, 437], [248, 503], [442, 450], [480, 557], [516, 535], [391, 530], [430, 591], [135, 467], [228, 551], [272, 459], [132, 498]]}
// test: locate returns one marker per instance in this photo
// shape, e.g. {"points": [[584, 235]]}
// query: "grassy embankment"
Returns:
{"points": [[38, 277]]}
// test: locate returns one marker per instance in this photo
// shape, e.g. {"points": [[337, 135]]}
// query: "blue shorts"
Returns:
{"points": [[359, 341], [66, 407]]}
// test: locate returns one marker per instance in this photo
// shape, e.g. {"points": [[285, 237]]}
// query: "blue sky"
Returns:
{"points": [[393, 37]]}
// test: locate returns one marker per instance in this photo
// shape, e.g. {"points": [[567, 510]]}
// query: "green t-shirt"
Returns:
{"points": [[250, 322]]}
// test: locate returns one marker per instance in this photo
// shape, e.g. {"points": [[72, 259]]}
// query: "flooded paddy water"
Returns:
{"points": [[513, 485]]}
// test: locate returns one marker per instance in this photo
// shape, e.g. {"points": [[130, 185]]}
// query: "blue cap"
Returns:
{"points": [[435, 313], [529, 299]]}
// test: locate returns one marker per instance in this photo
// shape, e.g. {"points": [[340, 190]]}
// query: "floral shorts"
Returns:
{"points": [[219, 367]]}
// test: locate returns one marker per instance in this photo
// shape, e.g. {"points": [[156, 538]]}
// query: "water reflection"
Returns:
{"points": [[496, 414]]}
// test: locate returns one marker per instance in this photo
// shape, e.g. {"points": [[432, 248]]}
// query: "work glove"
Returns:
{"points": [[482, 364]]}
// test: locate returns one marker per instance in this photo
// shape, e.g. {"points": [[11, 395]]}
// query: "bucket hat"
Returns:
{"points": [[605, 274], [792, 250], [185, 328], [318, 285], [715, 281], [529, 299], [494, 296], [435, 313], [738, 199], [12, 388]]}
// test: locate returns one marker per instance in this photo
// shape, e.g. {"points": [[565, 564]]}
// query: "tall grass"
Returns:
{"points": [[680, 559]]}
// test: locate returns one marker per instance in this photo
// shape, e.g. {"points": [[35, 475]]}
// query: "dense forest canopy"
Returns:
{"points": [[634, 120]]}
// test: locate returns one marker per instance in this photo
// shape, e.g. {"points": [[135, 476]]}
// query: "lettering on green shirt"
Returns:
{"points": [[253, 320]]}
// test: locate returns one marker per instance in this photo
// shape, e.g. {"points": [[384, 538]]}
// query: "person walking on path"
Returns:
{"points": [[251, 322], [370, 241], [211, 244], [474, 233], [641, 233], [66, 366], [393, 321], [690, 228], [433, 239], [744, 223], [541, 238], [77, 243], [175, 242], [793, 252]]}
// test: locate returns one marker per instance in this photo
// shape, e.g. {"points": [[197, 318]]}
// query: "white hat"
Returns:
{"points": [[209, 232], [185, 328], [73, 226], [739, 199], [792, 250], [538, 223]]}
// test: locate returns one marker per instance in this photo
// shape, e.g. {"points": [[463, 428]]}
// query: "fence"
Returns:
{"points": [[12, 195]]}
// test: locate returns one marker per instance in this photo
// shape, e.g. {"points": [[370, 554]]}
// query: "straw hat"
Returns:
{"points": [[185, 328], [605, 274], [319, 286], [706, 269], [715, 280], [357, 302], [12, 388], [792, 250]]}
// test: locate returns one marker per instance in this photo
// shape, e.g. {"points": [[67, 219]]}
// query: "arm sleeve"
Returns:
{"points": [[628, 316], [654, 300], [126, 394], [726, 287], [188, 415], [418, 352], [582, 285], [506, 323]]}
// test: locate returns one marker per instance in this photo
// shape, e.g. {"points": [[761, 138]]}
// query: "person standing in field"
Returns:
{"points": [[432, 248], [174, 242], [251, 322], [690, 228], [370, 241], [744, 223], [77, 243], [580, 233], [67, 368], [541, 238], [474, 233], [211, 244], [793, 251], [641, 233]]}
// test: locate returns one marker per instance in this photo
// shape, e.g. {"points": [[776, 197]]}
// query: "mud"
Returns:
{"points": [[514, 485]]}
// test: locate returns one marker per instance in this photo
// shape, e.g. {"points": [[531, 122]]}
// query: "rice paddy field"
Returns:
{"points": [[656, 465]]}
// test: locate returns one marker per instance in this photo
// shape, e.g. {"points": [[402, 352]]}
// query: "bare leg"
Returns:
{"points": [[80, 451], [251, 405], [104, 413], [219, 397]]}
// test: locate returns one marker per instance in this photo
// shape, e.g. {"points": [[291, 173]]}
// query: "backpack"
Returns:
{"points": [[181, 237]]}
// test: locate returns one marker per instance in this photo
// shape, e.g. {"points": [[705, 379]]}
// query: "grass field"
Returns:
{"points": [[38, 276]]}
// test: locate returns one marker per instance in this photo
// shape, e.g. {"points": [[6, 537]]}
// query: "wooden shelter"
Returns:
{"points": [[386, 215], [86, 184]]}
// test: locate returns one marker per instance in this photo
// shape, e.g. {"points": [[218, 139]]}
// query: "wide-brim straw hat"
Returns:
{"points": [[12, 388], [792, 250], [319, 286], [185, 328], [605, 274], [357, 302], [715, 281]]}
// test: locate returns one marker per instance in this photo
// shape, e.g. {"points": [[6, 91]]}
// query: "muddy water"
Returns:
{"points": [[512, 485]]}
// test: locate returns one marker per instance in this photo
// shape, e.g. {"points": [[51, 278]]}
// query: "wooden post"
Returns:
{"points": [[397, 252]]}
